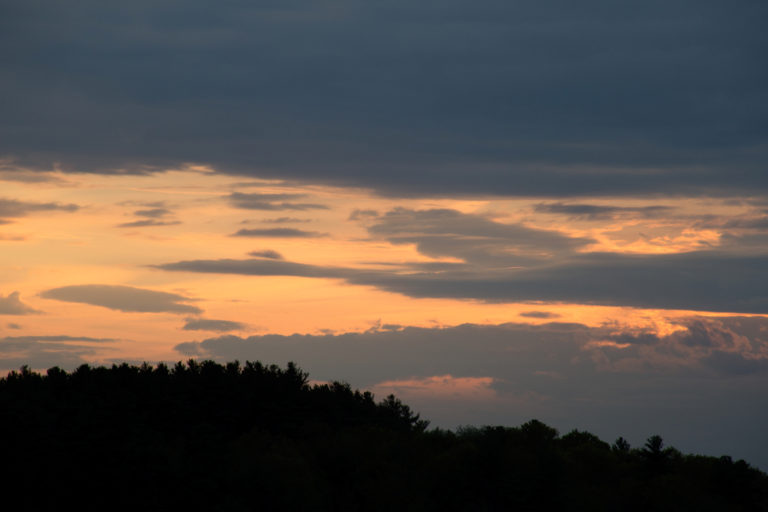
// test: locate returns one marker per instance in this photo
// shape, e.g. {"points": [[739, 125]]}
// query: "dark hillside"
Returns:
{"points": [[254, 437]]}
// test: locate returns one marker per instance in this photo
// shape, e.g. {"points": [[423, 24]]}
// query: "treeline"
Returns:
{"points": [[253, 437]]}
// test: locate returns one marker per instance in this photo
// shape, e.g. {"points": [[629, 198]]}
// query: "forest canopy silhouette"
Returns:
{"points": [[261, 437]]}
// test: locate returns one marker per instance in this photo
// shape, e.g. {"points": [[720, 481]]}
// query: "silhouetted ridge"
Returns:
{"points": [[252, 437]]}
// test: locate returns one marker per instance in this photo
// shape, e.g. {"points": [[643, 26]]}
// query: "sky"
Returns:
{"points": [[497, 210]]}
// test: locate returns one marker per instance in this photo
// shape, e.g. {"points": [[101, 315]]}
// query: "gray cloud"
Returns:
{"points": [[285, 220], [255, 267], [705, 281], [12, 305], [698, 281], [207, 324], [358, 214], [123, 298], [151, 217], [268, 253], [599, 212], [152, 213], [27, 176], [148, 223], [269, 202], [9, 340], [472, 238], [538, 314], [12, 325], [14, 208], [518, 98], [279, 233]]}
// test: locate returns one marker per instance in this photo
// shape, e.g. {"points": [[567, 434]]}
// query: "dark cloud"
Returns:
{"points": [[697, 281], [12, 325], [268, 253], [599, 212], [270, 202], [705, 281], [279, 233], [123, 298], [207, 324], [732, 363], [538, 314], [14, 208], [12, 305], [535, 98]]}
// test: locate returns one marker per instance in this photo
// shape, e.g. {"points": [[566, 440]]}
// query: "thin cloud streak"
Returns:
{"points": [[123, 298], [278, 233], [269, 202], [15, 208], [209, 324]]}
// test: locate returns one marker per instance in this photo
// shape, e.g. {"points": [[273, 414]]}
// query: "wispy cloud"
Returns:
{"points": [[12, 305], [208, 324], [148, 223], [539, 314], [268, 253], [271, 202], [15, 208], [153, 213], [278, 233], [151, 217], [286, 220], [602, 212], [123, 298]]}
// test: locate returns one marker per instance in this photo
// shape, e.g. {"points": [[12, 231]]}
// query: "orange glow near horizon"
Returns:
{"points": [[56, 246]]}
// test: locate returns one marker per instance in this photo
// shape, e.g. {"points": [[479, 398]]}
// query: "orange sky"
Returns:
{"points": [[47, 249]]}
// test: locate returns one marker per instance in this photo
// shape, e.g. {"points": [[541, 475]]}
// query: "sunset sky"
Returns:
{"points": [[497, 210]]}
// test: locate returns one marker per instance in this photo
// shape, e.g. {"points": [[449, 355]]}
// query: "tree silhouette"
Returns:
{"points": [[621, 445], [200, 435]]}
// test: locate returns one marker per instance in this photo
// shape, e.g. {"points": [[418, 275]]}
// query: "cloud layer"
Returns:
{"points": [[519, 98]]}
